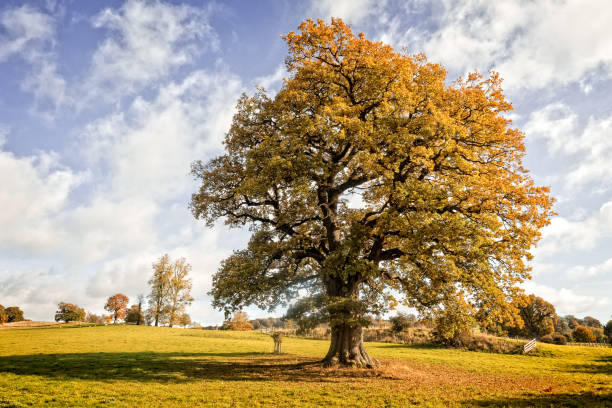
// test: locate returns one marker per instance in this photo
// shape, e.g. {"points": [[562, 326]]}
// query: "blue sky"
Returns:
{"points": [[104, 105]]}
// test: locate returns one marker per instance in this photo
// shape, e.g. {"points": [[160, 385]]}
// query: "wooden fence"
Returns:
{"points": [[529, 346]]}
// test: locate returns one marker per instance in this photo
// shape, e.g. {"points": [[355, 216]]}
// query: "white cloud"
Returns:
{"points": [[558, 125], [146, 42], [352, 11], [30, 34], [533, 44], [136, 209], [148, 149], [28, 31], [566, 301], [564, 234], [583, 271], [274, 81], [34, 189]]}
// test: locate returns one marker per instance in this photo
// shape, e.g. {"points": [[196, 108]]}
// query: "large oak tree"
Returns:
{"points": [[368, 180]]}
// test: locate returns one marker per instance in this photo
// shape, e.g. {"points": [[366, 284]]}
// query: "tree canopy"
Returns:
{"points": [[368, 180], [69, 312], [14, 314], [117, 305], [170, 290], [538, 316]]}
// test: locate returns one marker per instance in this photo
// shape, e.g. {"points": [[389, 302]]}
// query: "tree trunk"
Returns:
{"points": [[347, 348]]}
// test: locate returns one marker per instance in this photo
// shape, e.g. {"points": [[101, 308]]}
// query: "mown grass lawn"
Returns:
{"points": [[130, 366]]}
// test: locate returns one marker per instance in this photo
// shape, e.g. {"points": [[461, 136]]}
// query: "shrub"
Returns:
{"points": [[583, 335], [547, 339], [558, 338], [402, 322], [486, 343], [94, 318], [135, 315]]}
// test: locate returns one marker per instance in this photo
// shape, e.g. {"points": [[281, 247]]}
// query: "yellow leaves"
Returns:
{"points": [[445, 199]]}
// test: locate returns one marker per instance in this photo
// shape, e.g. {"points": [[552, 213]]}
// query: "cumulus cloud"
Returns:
{"points": [[34, 190], [584, 271], [566, 301], [353, 11], [148, 148], [532, 44], [146, 42], [136, 209], [559, 127], [274, 81], [580, 234]]}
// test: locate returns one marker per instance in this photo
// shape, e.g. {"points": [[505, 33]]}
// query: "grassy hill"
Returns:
{"points": [[131, 366]]}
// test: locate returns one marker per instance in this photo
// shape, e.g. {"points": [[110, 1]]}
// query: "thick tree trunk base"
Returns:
{"points": [[347, 349]]}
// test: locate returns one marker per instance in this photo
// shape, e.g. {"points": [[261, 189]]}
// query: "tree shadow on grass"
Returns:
{"points": [[405, 346], [566, 400], [602, 366], [175, 367]]}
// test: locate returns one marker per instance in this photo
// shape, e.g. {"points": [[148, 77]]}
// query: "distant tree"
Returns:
{"points": [[160, 290], [14, 314], [117, 305], [537, 314], [108, 318], [401, 322], [170, 290], [608, 331], [134, 315], [572, 321], [94, 318], [583, 335], [239, 321], [307, 313], [598, 332], [3, 315], [141, 319], [179, 290], [69, 312], [256, 324], [561, 325], [590, 321], [184, 320]]}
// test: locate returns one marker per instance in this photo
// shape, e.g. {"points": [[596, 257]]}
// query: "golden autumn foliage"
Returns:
{"points": [[368, 180], [239, 321], [117, 305]]}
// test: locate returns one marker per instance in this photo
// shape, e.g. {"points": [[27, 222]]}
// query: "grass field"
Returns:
{"points": [[131, 366]]}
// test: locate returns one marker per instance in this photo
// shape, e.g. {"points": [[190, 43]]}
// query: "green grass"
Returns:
{"points": [[130, 366]]}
